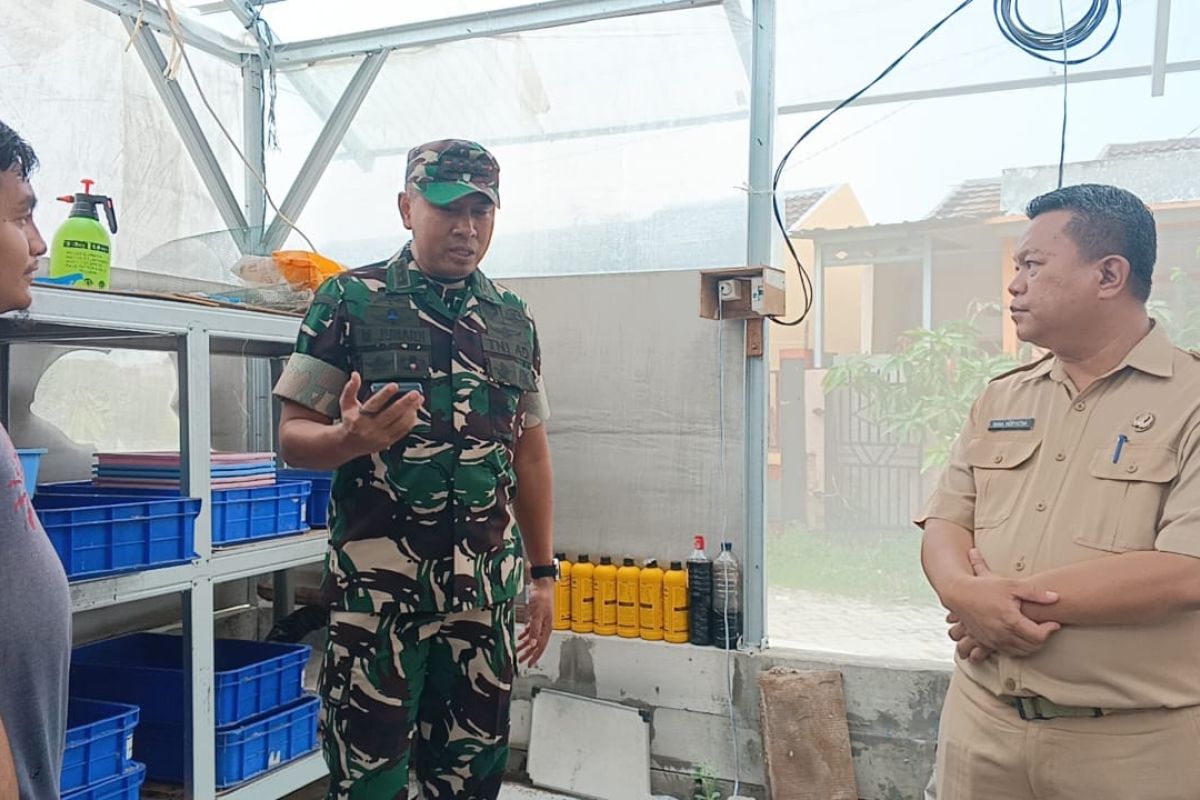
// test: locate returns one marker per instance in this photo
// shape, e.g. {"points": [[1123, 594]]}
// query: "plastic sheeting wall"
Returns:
{"points": [[89, 109], [632, 375], [68, 459]]}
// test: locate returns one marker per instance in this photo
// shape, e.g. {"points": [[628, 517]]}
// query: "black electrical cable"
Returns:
{"points": [[1014, 27], [1037, 43], [805, 279], [1062, 142]]}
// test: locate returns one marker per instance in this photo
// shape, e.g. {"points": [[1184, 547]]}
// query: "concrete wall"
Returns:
{"points": [[892, 709]]}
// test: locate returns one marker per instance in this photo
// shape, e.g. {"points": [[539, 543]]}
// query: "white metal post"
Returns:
{"points": [[253, 145], [758, 250], [1162, 29], [195, 434]]}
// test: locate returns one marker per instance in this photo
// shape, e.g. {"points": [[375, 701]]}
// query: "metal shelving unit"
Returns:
{"points": [[196, 333]]}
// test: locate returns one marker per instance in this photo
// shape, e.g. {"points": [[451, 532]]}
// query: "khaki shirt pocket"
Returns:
{"points": [[1125, 502], [1001, 468]]}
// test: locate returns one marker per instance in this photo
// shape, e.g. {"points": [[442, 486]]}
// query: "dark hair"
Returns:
{"points": [[1107, 221], [15, 153]]}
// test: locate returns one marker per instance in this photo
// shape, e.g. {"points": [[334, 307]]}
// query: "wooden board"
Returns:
{"points": [[805, 738]]}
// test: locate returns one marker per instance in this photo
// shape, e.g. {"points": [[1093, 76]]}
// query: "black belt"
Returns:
{"points": [[1039, 708]]}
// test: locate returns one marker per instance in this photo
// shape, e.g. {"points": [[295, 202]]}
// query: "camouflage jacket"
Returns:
{"points": [[427, 525]]}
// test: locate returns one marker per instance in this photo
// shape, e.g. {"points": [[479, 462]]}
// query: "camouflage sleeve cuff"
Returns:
{"points": [[537, 407], [313, 384]]}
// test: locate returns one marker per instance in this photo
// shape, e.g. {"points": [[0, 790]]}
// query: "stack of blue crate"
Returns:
{"points": [[263, 717], [98, 762]]}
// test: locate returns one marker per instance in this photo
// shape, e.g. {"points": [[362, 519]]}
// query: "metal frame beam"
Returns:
{"points": [[189, 130], [254, 148], [198, 36], [993, 86], [758, 251], [537, 16], [825, 105], [1162, 29], [737, 23], [242, 10], [354, 147], [323, 150]]}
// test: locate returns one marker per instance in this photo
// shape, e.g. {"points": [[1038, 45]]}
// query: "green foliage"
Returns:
{"points": [[705, 784], [1179, 314], [924, 391]]}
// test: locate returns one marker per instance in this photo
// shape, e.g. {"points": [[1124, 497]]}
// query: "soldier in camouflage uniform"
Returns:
{"points": [[426, 555]]}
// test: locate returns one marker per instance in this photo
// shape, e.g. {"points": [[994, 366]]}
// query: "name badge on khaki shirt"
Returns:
{"points": [[1019, 424]]}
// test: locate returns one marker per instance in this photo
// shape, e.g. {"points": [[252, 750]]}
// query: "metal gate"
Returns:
{"points": [[872, 479]]}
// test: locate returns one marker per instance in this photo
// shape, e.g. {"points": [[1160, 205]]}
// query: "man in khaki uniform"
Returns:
{"points": [[1064, 537]]}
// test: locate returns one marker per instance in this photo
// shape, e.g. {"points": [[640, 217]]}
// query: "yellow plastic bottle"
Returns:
{"points": [[675, 604], [605, 597], [582, 602], [628, 599], [650, 618], [562, 594]]}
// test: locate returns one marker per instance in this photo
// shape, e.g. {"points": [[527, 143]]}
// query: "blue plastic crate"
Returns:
{"points": [[244, 751], [238, 515], [99, 742], [126, 786], [264, 512], [318, 501], [96, 536], [31, 461], [146, 670]]}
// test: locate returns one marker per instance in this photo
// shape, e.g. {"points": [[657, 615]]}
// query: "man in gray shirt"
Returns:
{"points": [[35, 602]]}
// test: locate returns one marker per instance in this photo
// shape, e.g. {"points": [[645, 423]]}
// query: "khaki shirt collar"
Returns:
{"points": [[1153, 355]]}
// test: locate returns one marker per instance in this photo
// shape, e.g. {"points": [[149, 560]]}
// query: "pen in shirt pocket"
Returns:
{"points": [[1121, 440]]}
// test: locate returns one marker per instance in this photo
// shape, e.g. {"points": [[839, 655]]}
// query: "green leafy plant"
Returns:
{"points": [[1179, 312], [923, 392], [704, 784]]}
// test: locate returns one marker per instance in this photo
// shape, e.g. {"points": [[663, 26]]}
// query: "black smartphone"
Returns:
{"points": [[405, 388]]}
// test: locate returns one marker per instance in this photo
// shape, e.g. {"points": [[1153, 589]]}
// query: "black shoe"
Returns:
{"points": [[301, 622]]}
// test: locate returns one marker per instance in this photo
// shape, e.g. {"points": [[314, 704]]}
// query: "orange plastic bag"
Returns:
{"points": [[302, 268]]}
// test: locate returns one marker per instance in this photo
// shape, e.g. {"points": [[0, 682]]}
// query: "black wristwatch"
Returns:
{"points": [[542, 571]]}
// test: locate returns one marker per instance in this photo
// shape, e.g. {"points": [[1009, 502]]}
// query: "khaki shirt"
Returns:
{"points": [[1037, 475]]}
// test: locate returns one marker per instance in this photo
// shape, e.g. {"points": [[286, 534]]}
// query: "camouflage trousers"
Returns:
{"points": [[430, 689]]}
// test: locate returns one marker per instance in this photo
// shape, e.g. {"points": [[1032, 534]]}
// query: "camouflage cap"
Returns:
{"points": [[448, 169]]}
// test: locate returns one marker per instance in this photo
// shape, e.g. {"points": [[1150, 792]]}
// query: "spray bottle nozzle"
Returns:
{"points": [[83, 204]]}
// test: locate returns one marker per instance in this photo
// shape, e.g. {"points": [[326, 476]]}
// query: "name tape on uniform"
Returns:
{"points": [[1023, 424]]}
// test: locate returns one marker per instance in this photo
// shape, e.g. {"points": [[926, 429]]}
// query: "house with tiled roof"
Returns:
{"points": [[955, 262]]}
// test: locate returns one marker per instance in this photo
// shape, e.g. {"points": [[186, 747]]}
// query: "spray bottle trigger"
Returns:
{"points": [[111, 213]]}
